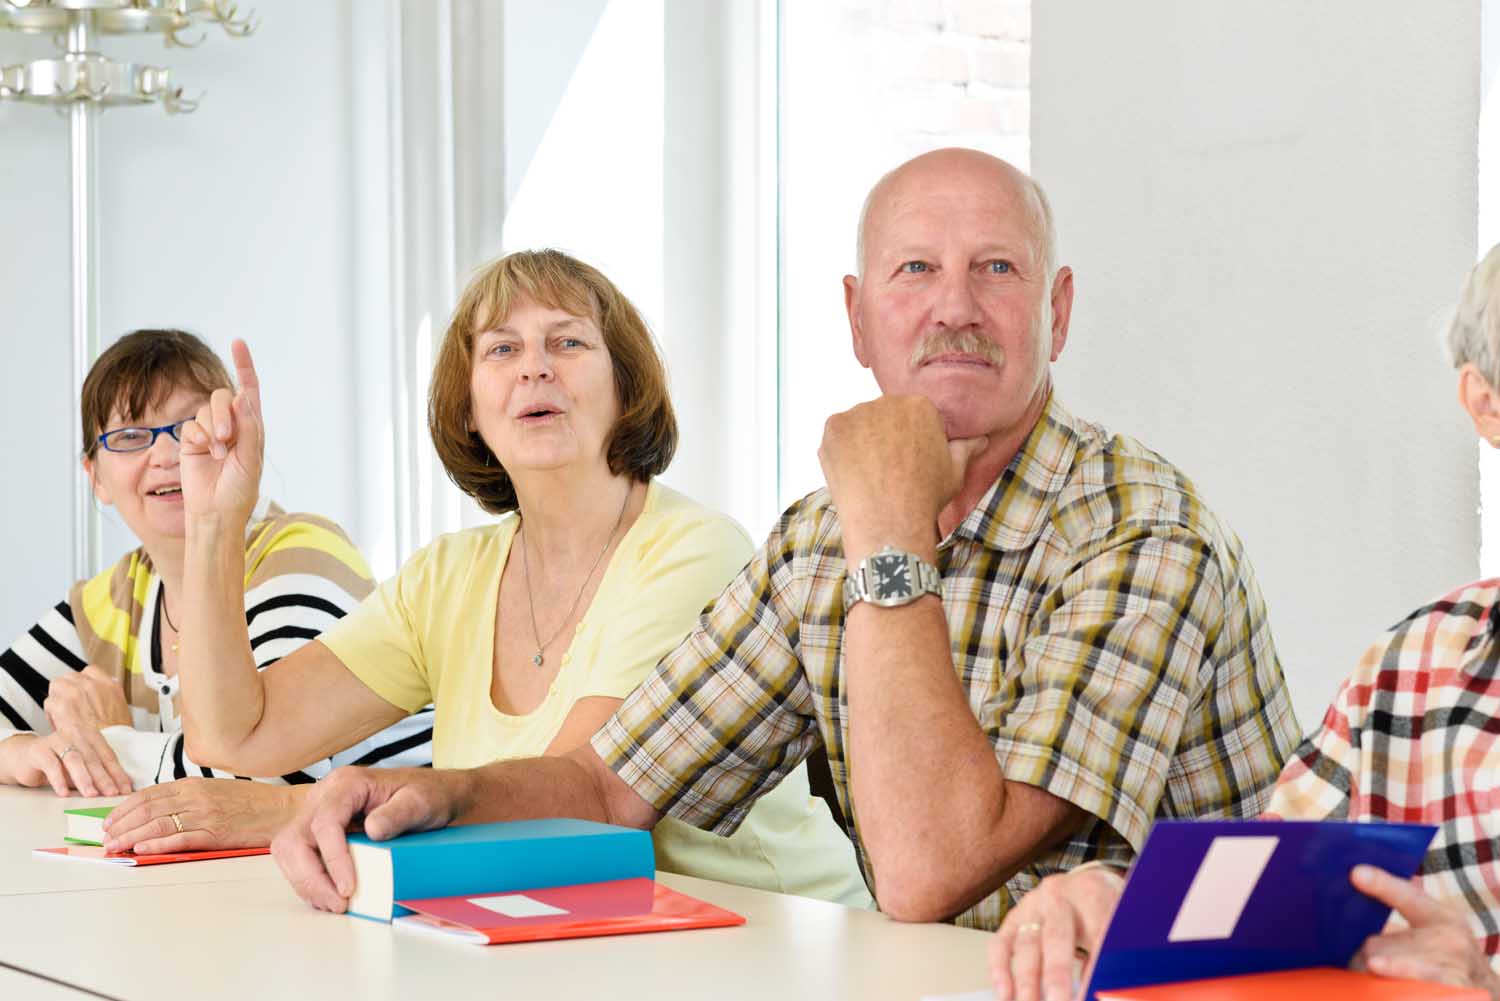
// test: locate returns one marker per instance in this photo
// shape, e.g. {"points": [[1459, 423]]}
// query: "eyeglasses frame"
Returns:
{"points": [[174, 430]]}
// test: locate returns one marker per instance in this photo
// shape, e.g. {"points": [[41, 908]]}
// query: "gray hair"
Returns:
{"points": [[1041, 210], [1473, 334]]}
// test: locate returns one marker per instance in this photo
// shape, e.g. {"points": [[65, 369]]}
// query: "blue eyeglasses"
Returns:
{"points": [[137, 439]]}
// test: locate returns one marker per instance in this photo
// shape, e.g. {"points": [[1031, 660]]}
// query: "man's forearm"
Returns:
{"points": [[531, 788], [221, 690], [576, 784], [927, 789]]}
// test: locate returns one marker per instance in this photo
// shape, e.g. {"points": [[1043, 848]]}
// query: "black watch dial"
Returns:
{"points": [[892, 576]]}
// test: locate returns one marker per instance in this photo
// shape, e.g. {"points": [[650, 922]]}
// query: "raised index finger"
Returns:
{"points": [[244, 370]]}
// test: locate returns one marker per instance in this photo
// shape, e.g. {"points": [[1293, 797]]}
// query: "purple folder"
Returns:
{"points": [[1217, 898]]}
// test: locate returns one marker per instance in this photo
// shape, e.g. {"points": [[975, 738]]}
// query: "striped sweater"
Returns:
{"points": [[302, 574]]}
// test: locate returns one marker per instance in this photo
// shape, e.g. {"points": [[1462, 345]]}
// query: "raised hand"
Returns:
{"points": [[222, 448]]}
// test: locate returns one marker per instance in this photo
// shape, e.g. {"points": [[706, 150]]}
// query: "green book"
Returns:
{"points": [[86, 825]]}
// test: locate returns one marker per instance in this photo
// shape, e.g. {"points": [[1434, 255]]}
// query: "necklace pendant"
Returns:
{"points": [[536, 658]]}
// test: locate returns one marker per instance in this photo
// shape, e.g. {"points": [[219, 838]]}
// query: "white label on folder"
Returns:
{"points": [[516, 905], [1221, 888]]}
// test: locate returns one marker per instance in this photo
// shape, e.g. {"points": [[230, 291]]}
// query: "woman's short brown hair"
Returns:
{"points": [[644, 437], [139, 371]]}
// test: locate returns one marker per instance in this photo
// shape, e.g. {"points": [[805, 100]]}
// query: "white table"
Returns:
{"points": [[224, 934], [18, 986]]}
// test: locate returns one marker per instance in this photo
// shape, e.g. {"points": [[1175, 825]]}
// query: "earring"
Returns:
{"points": [[1495, 441]]}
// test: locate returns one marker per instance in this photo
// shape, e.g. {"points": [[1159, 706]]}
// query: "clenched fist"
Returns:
{"points": [[891, 470]]}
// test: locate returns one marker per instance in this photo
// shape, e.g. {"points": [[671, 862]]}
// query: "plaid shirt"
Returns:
{"points": [[1106, 628], [1411, 737]]}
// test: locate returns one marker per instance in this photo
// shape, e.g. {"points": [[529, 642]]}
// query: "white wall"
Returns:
{"points": [[1489, 235], [1265, 204], [232, 222]]}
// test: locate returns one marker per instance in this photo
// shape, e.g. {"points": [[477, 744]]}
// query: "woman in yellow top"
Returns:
{"points": [[549, 406]]}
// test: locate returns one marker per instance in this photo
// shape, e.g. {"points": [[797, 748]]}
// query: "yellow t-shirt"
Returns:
{"points": [[427, 635]]}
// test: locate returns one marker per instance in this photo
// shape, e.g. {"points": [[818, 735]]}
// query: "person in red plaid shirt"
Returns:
{"points": [[1412, 736]]}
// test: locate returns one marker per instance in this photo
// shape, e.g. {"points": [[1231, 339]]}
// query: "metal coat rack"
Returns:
{"points": [[84, 82]]}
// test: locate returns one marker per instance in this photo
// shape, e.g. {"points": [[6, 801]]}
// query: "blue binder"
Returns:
{"points": [[1257, 907], [495, 858]]}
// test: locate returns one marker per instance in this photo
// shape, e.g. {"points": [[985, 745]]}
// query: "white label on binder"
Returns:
{"points": [[1221, 888], [516, 905]]}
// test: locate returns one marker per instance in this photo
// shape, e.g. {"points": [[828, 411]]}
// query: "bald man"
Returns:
{"points": [[1018, 637]]}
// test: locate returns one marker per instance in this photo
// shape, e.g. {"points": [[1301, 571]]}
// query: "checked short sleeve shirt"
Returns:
{"points": [[1107, 630], [1412, 737]]}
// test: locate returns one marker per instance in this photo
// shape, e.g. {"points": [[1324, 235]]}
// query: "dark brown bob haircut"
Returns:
{"points": [[139, 371], [644, 437]]}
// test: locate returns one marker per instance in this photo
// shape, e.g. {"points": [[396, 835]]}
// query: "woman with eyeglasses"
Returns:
{"points": [[89, 699]]}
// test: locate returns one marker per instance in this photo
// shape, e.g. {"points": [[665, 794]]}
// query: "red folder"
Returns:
{"points": [[1316, 984], [621, 907], [95, 853]]}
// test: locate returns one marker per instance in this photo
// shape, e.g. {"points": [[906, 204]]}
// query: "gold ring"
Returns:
{"points": [[1028, 928], [177, 823]]}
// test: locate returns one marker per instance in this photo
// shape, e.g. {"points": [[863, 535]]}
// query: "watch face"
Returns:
{"points": [[892, 576]]}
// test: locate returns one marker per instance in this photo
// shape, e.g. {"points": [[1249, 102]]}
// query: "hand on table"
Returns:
{"points": [[223, 448], [212, 813], [1437, 946], [890, 471], [1034, 954], [76, 755], [312, 851], [72, 760]]}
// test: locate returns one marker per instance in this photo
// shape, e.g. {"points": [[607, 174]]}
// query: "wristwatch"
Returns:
{"points": [[891, 577]]}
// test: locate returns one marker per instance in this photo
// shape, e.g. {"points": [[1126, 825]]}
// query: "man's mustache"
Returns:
{"points": [[965, 341]]}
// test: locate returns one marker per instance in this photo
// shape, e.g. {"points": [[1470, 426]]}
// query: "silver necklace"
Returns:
{"points": [[536, 633]]}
